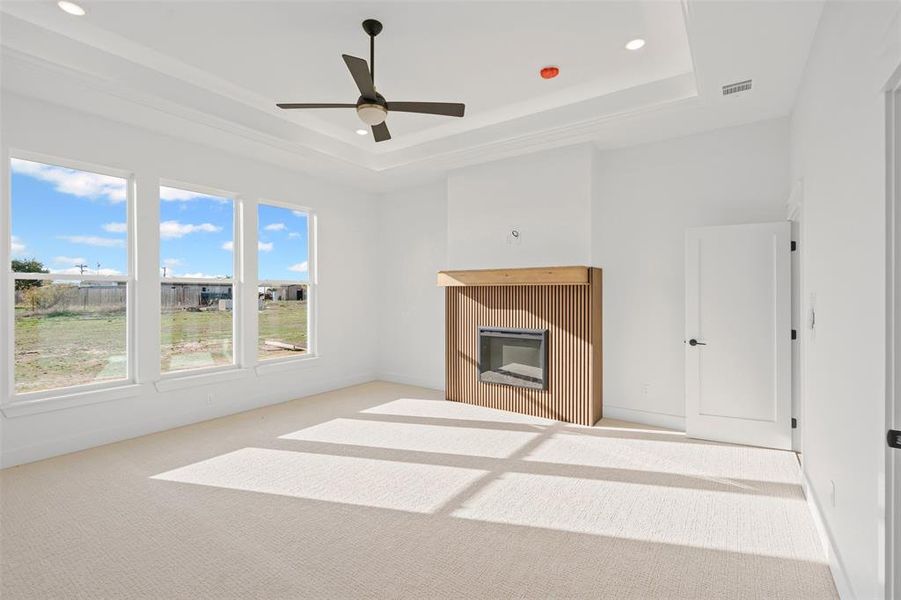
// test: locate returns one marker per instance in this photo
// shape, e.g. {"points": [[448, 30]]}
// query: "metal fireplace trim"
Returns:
{"points": [[509, 332]]}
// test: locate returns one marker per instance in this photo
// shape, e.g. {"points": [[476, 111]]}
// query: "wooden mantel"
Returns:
{"points": [[527, 276]]}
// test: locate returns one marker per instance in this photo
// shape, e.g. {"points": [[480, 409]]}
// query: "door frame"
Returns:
{"points": [[893, 332], [800, 316]]}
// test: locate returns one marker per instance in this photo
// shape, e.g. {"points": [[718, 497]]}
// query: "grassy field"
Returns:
{"points": [[68, 348], [72, 348]]}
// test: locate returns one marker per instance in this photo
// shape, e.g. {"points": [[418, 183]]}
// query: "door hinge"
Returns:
{"points": [[794, 423], [794, 334], [794, 245], [894, 438]]}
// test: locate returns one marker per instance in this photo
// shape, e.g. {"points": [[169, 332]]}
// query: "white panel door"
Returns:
{"points": [[738, 334]]}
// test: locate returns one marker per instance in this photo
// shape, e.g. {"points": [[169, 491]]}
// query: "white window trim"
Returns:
{"points": [[171, 380], [189, 378], [81, 394], [280, 363]]}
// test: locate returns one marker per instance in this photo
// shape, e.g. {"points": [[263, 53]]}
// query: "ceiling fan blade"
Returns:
{"points": [[380, 132], [359, 70], [448, 109], [314, 105]]}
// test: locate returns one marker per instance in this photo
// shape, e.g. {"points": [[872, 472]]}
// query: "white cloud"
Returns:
{"points": [[301, 267], [276, 227], [93, 240], [68, 260], [168, 194], [115, 227], [262, 246], [173, 262], [174, 229], [293, 234], [299, 213], [77, 183], [17, 247]]}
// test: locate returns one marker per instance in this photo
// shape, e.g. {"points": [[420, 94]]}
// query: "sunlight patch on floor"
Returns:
{"points": [[667, 455], [493, 443], [409, 487], [443, 409], [679, 516]]}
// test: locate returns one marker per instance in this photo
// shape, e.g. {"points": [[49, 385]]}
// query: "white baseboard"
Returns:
{"points": [[644, 417], [835, 562], [411, 380], [129, 430]]}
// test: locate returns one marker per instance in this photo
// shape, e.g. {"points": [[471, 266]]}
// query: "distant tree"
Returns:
{"points": [[28, 266]]}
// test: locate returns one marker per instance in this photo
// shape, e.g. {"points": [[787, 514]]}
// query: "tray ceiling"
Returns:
{"points": [[231, 61]]}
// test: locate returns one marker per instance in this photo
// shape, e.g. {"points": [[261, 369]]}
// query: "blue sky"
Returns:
{"points": [[64, 218]]}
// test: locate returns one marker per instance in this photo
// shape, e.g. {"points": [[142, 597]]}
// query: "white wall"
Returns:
{"points": [[546, 196], [644, 198], [412, 249], [348, 270], [838, 151], [623, 210]]}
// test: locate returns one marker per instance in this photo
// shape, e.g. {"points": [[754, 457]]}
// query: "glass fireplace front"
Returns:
{"points": [[515, 357]]}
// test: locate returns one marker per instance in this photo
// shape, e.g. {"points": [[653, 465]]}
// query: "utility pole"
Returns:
{"points": [[81, 268], [165, 271]]}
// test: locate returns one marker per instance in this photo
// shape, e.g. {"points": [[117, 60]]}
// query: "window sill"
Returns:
{"points": [[280, 365], [189, 379], [31, 406]]}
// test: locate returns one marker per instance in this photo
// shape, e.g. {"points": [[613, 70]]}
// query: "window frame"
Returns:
{"points": [[127, 383], [235, 280], [312, 352]]}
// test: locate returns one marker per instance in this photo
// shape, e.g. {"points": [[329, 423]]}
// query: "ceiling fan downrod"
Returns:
{"points": [[372, 29]]}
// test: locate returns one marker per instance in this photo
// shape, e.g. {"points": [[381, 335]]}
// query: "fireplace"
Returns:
{"points": [[525, 340], [516, 357]]}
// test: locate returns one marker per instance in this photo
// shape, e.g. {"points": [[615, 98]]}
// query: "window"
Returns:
{"points": [[197, 287], [284, 291], [71, 270]]}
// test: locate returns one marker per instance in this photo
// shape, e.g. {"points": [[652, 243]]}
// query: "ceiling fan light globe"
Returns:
{"points": [[372, 114]]}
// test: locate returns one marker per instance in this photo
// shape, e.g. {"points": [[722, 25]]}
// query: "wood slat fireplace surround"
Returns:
{"points": [[565, 301]]}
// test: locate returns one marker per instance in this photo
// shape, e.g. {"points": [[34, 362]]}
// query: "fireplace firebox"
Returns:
{"points": [[516, 357]]}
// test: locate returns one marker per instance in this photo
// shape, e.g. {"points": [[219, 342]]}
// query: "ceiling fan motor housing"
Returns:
{"points": [[372, 114]]}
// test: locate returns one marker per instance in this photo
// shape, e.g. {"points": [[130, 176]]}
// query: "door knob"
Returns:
{"points": [[694, 342]]}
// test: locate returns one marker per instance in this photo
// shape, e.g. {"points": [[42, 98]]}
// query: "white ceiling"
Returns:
{"points": [[225, 64]]}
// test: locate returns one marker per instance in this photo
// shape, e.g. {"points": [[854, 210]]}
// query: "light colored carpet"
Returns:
{"points": [[386, 491]]}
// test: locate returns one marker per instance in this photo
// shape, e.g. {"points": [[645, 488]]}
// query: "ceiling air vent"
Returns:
{"points": [[734, 88]]}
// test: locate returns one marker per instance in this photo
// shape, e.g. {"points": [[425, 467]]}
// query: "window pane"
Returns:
{"points": [[196, 235], [283, 248], [196, 326], [69, 333], [283, 321], [67, 221]]}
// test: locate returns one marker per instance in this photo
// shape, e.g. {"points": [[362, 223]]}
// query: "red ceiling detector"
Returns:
{"points": [[549, 72]]}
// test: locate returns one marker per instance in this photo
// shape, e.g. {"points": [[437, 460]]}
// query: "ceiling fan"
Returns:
{"points": [[372, 108]]}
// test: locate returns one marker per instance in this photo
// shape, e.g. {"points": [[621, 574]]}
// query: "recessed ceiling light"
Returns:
{"points": [[362, 131], [71, 8], [636, 44]]}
